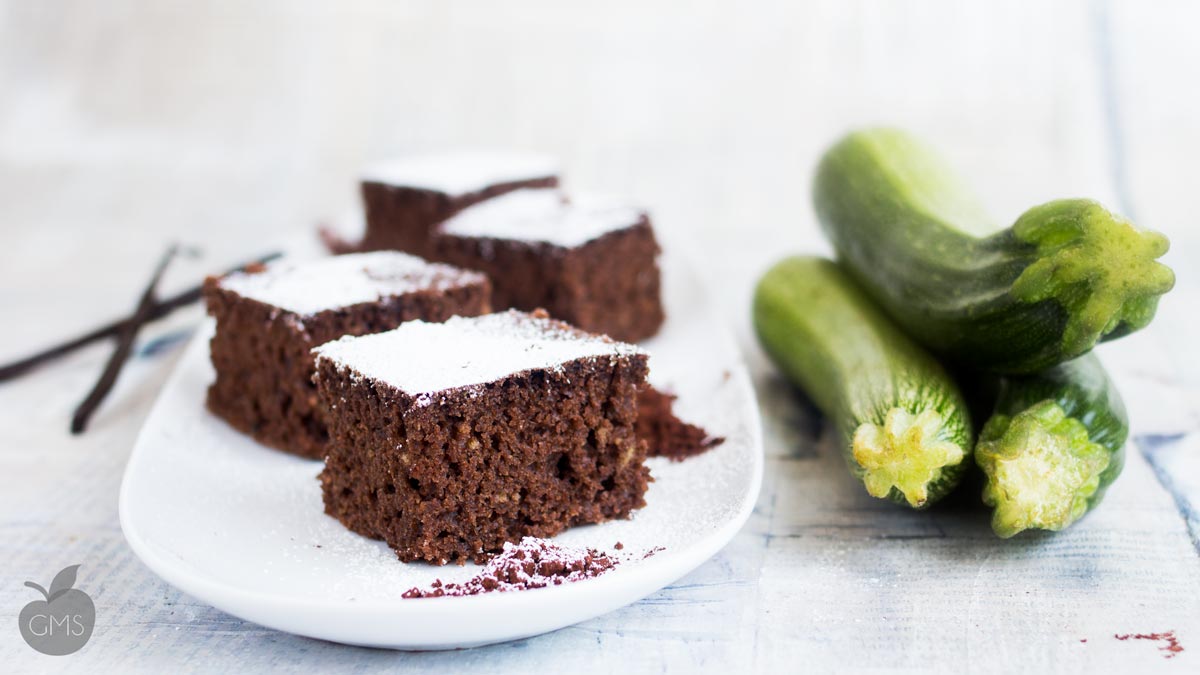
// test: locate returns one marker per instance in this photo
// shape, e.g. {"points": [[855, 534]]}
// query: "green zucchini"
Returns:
{"points": [[903, 423], [1051, 448], [1066, 275]]}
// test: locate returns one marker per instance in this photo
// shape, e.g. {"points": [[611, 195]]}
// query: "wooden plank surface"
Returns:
{"points": [[126, 125]]}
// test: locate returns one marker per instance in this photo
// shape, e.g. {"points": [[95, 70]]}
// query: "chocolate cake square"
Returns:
{"points": [[590, 262], [269, 321], [406, 197], [506, 426]]}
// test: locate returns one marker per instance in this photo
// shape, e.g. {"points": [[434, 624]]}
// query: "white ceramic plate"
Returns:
{"points": [[241, 526]]}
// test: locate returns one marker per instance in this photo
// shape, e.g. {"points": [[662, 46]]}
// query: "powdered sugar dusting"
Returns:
{"points": [[331, 283], [533, 563], [542, 215], [459, 173], [426, 358]]}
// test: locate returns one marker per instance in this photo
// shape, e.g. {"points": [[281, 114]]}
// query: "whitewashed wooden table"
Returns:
{"points": [[126, 125]]}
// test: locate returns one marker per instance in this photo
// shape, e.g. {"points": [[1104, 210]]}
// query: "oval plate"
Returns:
{"points": [[241, 526]]}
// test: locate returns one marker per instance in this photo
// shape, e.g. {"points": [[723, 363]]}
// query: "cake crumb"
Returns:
{"points": [[619, 546], [665, 434], [532, 563]]}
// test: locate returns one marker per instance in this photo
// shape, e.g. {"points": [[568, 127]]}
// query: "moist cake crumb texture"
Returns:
{"points": [[532, 432]]}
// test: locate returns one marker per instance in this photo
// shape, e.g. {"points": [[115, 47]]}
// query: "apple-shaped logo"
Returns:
{"points": [[62, 623]]}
